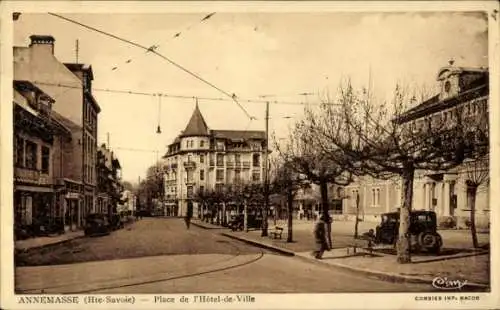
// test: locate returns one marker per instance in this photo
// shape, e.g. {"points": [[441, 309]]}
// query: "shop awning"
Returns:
{"points": [[38, 189]]}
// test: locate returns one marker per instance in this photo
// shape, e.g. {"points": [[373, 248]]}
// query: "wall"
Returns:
{"points": [[37, 64]]}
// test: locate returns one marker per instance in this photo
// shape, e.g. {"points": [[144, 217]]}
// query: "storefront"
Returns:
{"points": [[32, 210]]}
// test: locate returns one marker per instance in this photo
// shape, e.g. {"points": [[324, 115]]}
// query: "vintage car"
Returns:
{"points": [[96, 224], [237, 222], [422, 229]]}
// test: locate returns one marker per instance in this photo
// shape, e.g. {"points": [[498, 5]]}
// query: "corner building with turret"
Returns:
{"points": [[201, 159]]}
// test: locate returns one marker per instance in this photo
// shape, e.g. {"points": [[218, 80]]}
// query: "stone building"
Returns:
{"points": [[462, 90], [70, 86], [37, 147], [204, 159]]}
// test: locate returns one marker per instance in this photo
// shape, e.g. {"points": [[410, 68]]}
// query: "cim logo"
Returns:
{"points": [[444, 283]]}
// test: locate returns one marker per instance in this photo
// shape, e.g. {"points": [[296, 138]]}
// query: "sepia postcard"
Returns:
{"points": [[249, 155]]}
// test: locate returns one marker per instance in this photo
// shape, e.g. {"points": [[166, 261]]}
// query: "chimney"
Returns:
{"points": [[43, 40]]}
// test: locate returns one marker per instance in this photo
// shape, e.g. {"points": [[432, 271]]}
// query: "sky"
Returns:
{"points": [[278, 55]]}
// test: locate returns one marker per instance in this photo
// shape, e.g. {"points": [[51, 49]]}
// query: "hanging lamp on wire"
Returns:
{"points": [[158, 129]]}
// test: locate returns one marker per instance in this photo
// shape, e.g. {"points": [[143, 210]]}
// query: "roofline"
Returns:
{"points": [[443, 104], [93, 100], [32, 85]]}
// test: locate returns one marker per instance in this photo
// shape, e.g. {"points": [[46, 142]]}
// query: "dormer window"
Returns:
{"points": [[447, 86]]}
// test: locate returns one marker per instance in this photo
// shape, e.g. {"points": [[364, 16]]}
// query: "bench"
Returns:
{"points": [[277, 232]]}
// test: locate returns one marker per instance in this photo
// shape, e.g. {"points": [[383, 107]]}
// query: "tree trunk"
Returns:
{"points": [[404, 239], [290, 217], [224, 214], [245, 217], [356, 223], [471, 193], [324, 202], [264, 211]]}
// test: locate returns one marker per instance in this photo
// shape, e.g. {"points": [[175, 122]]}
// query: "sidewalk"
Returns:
{"points": [[37, 242], [467, 264]]}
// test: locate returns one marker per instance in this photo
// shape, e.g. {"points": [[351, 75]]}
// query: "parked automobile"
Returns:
{"points": [[422, 229], [116, 222], [96, 224], [237, 221]]}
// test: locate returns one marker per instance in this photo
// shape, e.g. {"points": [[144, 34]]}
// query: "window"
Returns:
{"points": [[202, 175], [354, 197], [202, 189], [237, 176], [45, 159], [19, 151], [31, 155], [237, 158], [256, 160], [190, 175], [219, 176], [219, 187], [202, 143], [220, 160], [202, 158], [255, 176], [375, 197], [189, 191], [189, 158]]}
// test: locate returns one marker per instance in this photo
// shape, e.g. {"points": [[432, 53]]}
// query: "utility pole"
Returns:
{"points": [[77, 48], [107, 141], [266, 177]]}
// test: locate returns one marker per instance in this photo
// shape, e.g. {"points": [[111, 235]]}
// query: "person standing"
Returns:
{"points": [[320, 237], [189, 214]]}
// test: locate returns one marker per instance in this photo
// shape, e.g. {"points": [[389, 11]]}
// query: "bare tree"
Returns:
{"points": [[285, 181], [305, 154], [382, 140], [477, 174]]}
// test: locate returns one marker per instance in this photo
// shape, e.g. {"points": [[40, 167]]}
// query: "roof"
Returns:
{"points": [[196, 126], [64, 121], [470, 89], [27, 85], [239, 135]]}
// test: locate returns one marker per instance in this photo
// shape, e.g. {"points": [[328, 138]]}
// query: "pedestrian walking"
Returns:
{"points": [[189, 215], [320, 238]]}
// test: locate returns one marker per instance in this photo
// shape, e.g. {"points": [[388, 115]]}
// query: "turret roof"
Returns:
{"points": [[196, 126]]}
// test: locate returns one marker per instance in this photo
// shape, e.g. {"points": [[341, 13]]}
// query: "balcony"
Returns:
{"points": [[230, 164], [212, 163], [31, 176], [237, 164], [246, 164], [189, 164], [220, 164], [173, 166]]}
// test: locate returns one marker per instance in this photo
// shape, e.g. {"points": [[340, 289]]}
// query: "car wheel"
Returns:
{"points": [[428, 240]]}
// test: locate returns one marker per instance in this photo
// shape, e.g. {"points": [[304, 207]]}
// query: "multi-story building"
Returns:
{"points": [[108, 181], [37, 175], [70, 86], [465, 91], [203, 159]]}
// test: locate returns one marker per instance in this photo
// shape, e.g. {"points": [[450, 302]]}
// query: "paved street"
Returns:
{"points": [[159, 255]]}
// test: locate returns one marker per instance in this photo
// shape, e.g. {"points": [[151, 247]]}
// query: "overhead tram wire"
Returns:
{"points": [[187, 97], [152, 49], [176, 35]]}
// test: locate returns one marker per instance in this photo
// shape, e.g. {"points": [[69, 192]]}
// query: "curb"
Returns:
{"points": [[260, 244], [38, 247], [205, 227], [389, 277]]}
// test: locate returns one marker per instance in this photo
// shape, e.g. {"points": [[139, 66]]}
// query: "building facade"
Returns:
{"points": [[464, 91], [76, 110], [203, 159], [109, 189]]}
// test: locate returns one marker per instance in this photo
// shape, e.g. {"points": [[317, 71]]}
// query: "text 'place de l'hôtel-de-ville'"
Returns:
{"points": [[61, 174]]}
